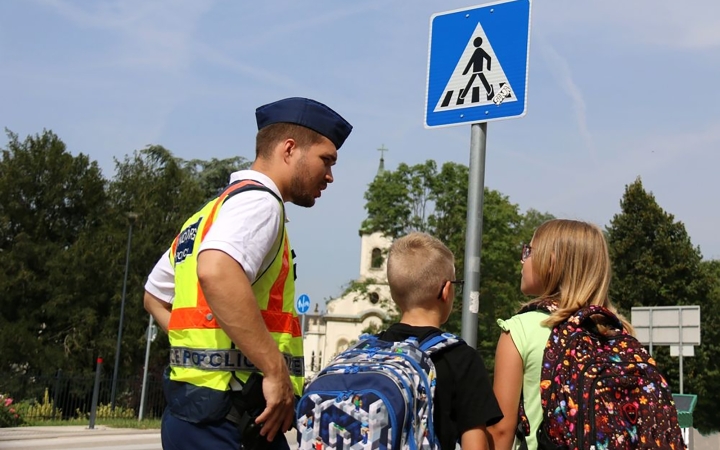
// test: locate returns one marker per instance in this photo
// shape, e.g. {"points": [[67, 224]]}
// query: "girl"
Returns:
{"points": [[566, 267]]}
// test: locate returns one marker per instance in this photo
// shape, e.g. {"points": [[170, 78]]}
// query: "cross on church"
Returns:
{"points": [[382, 151]]}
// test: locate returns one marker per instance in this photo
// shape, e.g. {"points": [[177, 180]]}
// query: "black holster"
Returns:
{"points": [[247, 405]]}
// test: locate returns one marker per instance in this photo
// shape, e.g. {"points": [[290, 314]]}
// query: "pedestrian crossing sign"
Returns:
{"points": [[478, 64]]}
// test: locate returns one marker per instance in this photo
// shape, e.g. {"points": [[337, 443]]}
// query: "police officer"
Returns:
{"points": [[224, 291]]}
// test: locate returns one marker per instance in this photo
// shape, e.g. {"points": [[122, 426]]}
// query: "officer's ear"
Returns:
{"points": [[289, 149]]}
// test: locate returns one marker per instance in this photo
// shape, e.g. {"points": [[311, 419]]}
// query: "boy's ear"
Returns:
{"points": [[446, 292]]}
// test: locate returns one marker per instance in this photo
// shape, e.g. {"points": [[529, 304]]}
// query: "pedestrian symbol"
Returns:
{"points": [[478, 78]]}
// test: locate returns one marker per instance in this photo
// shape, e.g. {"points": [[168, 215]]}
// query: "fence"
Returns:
{"points": [[64, 396]]}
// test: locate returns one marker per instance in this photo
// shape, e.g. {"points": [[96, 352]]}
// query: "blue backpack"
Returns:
{"points": [[374, 395]]}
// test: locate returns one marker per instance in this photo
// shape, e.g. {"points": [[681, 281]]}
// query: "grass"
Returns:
{"points": [[146, 424]]}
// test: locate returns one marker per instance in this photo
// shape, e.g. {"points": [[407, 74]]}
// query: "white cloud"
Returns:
{"points": [[562, 72]]}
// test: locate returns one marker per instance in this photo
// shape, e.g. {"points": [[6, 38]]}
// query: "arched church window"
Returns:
{"points": [[374, 298], [376, 260], [342, 345]]}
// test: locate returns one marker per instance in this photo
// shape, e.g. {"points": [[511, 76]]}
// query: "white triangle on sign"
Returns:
{"points": [[484, 86]]}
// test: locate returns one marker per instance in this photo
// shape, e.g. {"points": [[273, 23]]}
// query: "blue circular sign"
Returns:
{"points": [[303, 304]]}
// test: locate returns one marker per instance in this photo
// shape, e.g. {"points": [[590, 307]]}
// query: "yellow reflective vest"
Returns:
{"points": [[201, 353]]}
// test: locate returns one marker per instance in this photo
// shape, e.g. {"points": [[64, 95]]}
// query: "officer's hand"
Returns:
{"points": [[279, 412]]}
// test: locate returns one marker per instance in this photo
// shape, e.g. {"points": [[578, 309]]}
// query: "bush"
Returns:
{"points": [[9, 416], [44, 410], [106, 412]]}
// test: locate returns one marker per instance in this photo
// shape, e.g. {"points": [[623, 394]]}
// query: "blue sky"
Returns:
{"points": [[617, 90]]}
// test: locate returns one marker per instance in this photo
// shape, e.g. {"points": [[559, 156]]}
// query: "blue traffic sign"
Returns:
{"points": [[478, 64], [303, 304]]}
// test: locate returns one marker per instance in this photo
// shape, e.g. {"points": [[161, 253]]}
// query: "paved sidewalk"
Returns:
{"points": [[12, 434], [78, 437], [81, 437]]}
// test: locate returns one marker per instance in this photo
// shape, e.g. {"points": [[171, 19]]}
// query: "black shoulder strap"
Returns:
{"points": [[239, 186], [246, 185], [545, 305]]}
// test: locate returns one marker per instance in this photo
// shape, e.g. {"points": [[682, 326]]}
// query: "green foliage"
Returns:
{"points": [[9, 415], [106, 412], [64, 232], [655, 264], [702, 372], [652, 254], [213, 175], [145, 424], [155, 186], [46, 410], [398, 201], [49, 200], [421, 198]]}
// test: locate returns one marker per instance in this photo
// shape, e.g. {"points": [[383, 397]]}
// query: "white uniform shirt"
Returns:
{"points": [[245, 228]]}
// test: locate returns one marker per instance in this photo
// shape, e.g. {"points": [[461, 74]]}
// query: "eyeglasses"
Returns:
{"points": [[526, 250], [457, 283]]}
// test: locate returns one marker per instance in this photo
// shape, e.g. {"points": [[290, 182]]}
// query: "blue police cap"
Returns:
{"points": [[308, 113]]}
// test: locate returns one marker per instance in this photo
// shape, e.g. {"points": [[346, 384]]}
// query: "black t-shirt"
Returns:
{"points": [[464, 398]]}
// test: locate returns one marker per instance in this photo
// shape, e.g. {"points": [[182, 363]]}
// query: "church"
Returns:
{"points": [[329, 332]]}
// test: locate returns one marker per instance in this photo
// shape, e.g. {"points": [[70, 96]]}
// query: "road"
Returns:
{"points": [[102, 438], [80, 437]]}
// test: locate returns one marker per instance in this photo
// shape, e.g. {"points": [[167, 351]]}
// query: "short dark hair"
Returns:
{"points": [[270, 135]]}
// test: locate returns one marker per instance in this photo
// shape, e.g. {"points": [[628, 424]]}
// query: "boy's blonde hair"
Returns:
{"points": [[418, 265], [572, 262]]}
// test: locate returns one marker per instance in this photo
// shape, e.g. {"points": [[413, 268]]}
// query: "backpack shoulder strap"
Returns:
{"points": [[365, 340], [439, 341], [583, 316], [238, 186], [544, 305]]}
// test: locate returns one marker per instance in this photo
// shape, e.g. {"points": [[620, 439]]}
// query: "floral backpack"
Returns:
{"points": [[602, 390]]}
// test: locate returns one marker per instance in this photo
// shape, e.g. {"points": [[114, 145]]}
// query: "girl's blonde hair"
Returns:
{"points": [[572, 262]]}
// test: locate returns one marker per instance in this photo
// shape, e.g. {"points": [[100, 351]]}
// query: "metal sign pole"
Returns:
{"points": [[680, 347], [494, 40], [651, 332], [473, 234], [149, 338]]}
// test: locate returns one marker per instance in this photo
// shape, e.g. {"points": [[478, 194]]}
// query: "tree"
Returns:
{"points": [[162, 192], [63, 238], [49, 200], [704, 371], [421, 198], [655, 264], [213, 175], [398, 201]]}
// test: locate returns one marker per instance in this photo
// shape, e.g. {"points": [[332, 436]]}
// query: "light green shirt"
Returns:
{"points": [[529, 337]]}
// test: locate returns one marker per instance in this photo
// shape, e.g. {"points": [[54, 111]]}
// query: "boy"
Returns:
{"points": [[421, 275]]}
